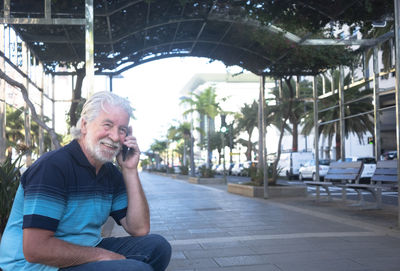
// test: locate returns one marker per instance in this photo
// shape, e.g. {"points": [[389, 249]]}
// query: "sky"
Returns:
{"points": [[154, 90]]}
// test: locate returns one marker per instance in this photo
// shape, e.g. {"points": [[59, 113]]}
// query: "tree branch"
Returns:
{"points": [[35, 117]]}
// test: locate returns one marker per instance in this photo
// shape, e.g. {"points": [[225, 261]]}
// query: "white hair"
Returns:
{"points": [[92, 107]]}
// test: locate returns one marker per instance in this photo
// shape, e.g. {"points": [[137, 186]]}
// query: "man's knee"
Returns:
{"points": [[160, 242], [161, 251]]}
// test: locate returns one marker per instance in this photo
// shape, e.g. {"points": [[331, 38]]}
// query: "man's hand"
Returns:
{"points": [[40, 246], [133, 154]]}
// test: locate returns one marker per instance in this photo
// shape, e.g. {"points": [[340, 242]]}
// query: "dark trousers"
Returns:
{"points": [[147, 253]]}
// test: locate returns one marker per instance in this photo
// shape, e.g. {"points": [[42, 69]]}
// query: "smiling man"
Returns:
{"points": [[67, 195]]}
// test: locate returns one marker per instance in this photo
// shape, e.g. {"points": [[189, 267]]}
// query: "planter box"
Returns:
{"points": [[198, 180], [273, 191]]}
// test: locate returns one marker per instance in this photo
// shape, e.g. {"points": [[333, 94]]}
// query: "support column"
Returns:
{"points": [[41, 133], [365, 68], [260, 126], [377, 121], [262, 147], [341, 114], [111, 83], [397, 49], [297, 86], [89, 46], [27, 115], [53, 104], [3, 145], [316, 127]]}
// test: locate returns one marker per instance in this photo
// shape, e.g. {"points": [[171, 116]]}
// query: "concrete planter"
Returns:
{"points": [[198, 180], [273, 191]]}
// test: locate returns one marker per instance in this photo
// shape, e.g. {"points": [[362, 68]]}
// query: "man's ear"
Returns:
{"points": [[84, 126]]}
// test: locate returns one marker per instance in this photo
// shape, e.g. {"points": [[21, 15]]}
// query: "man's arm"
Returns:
{"points": [[40, 246], [137, 219]]}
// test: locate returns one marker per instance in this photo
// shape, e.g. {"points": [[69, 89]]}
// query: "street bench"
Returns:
{"points": [[384, 178], [338, 175]]}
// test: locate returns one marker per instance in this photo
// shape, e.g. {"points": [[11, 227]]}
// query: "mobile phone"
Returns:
{"points": [[124, 150]]}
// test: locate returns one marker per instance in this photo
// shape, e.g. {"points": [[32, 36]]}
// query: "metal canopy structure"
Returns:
{"points": [[130, 33], [275, 38]]}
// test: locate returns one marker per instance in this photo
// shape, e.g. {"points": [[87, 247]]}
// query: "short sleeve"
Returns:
{"points": [[44, 195]]}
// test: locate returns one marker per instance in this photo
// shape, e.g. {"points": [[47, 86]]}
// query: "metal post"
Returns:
{"points": [[111, 83], [365, 68], [3, 106], [260, 126], [41, 134], [89, 46], [27, 125], [397, 50], [297, 87], [316, 128], [377, 121], [262, 137], [53, 104], [223, 153], [341, 114], [192, 169]]}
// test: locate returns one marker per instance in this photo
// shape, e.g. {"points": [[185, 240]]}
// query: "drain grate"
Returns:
{"points": [[208, 209]]}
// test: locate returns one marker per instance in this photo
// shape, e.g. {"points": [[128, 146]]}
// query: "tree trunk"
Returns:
{"points": [[249, 149], [76, 96], [35, 117], [281, 130], [337, 142], [295, 136]]}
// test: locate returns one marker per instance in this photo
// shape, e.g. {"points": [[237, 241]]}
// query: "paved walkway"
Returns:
{"points": [[210, 229]]}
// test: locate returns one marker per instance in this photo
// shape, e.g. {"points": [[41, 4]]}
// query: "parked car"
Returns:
{"points": [[369, 166], [246, 167], [307, 171], [220, 169], [289, 163], [237, 169], [389, 155]]}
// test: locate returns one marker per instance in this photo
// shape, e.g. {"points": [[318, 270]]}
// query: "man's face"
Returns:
{"points": [[104, 136]]}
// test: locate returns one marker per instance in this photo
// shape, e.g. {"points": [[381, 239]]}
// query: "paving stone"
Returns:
{"points": [[220, 252], [214, 230]]}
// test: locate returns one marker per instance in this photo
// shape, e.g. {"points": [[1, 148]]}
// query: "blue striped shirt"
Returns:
{"points": [[61, 192]]}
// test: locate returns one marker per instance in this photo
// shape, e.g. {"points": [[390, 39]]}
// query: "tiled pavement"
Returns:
{"points": [[210, 229]]}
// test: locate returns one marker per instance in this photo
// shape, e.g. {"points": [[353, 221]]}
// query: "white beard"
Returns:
{"points": [[99, 153]]}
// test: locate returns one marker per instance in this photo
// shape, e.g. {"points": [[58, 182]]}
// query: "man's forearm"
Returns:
{"points": [[137, 220], [40, 247]]}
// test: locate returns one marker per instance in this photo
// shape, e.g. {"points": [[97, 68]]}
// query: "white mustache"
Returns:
{"points": [[110, 142]]}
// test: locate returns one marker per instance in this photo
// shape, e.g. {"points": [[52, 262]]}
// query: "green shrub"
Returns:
{"points": [[184, 170], [206, 172], [9, 181]]}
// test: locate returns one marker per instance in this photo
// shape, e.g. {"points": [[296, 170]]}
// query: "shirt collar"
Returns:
{"points": [[76, 152], [74, 148]]}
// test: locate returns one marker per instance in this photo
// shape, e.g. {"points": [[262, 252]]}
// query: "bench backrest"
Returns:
{"points": [[344, 171], [386, 171]]}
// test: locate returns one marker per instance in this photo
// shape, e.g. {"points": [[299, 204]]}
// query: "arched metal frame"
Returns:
{"points": [[89, 53]]}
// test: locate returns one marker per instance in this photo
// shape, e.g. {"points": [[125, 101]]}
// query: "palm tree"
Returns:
{"points": [[358, 125], [184, 132], [206, 105], [14, 128], [247, 121], [158, 147]]}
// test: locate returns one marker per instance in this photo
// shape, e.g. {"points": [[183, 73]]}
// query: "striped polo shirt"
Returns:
{"points": [[62, 193]]}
